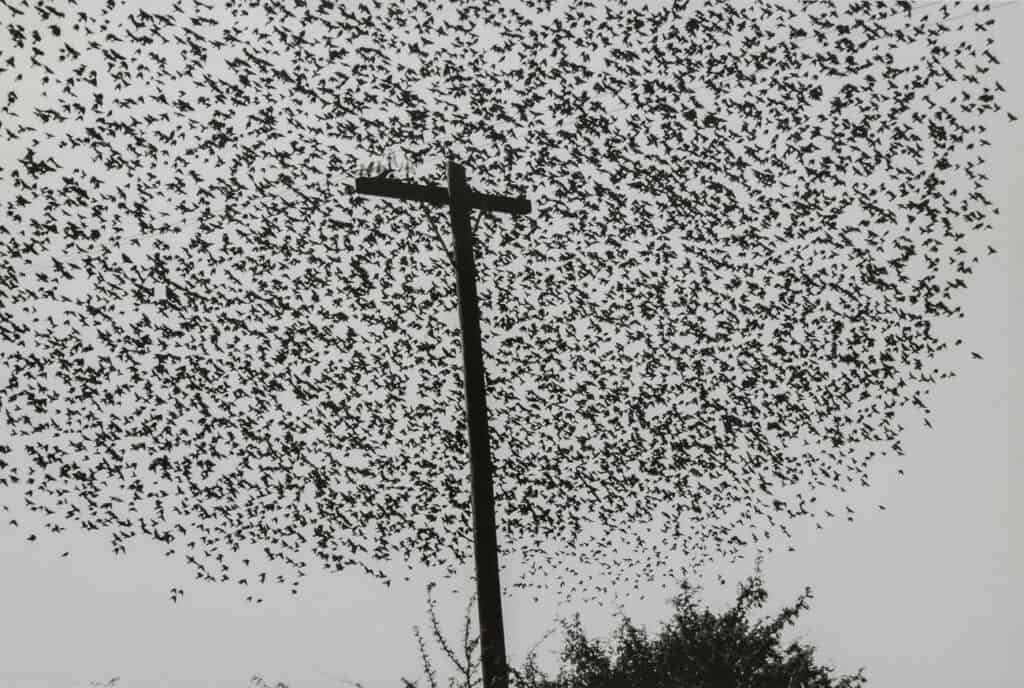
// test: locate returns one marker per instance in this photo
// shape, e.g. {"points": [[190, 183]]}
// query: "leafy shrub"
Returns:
{"points": [[697, 649]]}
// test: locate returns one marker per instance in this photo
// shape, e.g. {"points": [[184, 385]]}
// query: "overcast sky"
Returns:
{"points": [[925, 593]]}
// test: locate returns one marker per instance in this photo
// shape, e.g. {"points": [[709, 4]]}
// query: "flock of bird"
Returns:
{"points": [[749, 220]]}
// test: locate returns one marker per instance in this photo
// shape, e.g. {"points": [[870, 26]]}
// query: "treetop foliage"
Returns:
{"points": [[697, 648]]}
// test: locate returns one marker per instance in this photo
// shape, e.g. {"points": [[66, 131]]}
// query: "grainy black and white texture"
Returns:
{"points": [[750, 221]]}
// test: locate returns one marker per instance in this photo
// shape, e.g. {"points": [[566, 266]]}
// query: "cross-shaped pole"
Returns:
{"points": [[460, 200]]}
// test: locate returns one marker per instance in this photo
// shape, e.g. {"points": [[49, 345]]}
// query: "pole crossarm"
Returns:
{"points": [[438, 195]]}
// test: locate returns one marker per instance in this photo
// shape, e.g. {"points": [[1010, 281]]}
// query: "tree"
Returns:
{"points": [[697, 649], [749, 223]]}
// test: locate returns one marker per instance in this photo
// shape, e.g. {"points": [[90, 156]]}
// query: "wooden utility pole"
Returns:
{"points": [[460, 199]]}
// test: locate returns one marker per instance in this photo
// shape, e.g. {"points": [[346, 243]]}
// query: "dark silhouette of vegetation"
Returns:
{"points": [[698, 648]]}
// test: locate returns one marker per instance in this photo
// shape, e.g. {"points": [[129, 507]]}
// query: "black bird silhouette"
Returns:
{"points": [[746, 227]]}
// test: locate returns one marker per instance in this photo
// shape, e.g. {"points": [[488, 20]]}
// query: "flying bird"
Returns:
{"points": [[655, 351]]}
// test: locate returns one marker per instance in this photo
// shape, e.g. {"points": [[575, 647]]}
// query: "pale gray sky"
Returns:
{"points": [[926, 592]]}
